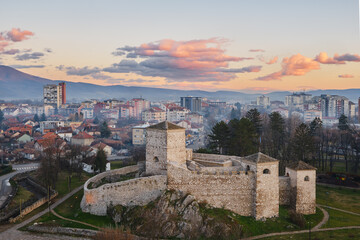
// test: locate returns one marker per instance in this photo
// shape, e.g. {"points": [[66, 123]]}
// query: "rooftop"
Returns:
{"points": [[300, 165], [260, 158], [165, 126]]}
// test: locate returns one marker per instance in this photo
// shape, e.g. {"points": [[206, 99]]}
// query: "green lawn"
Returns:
{"points": [[62, 185], [251, 227], [346, 199], [71, 209], [52, 220], [341, 219], [121, 164], [338, 234], [22, 196]]}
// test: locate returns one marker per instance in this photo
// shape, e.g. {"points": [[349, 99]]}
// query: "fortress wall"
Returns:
{"points": [[284, 190], [138, 191], [189, 154], [306, 192], [267, 190], [214, 157], [156, 142], [234, 192]]}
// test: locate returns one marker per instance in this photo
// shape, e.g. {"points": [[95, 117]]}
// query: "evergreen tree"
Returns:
{"points": [[104, 130], [254, 116], [96, 120], [343, 123], [76, 117], [219, 137], [1, 117], [315, 126], [244, 140], [277, 133], [43, 117], [36, 118], [235, 114], [100, 160], [303, 143]]}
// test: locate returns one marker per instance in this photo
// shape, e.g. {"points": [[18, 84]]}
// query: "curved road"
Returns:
{"points": [[5, 187]]}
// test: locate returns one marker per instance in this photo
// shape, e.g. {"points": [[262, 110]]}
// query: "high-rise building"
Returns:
{"points": [[359, 110], [334, 106], [63, 92], [297, 99], [263, 101], [139, 105], [191, 103], [54, 95]]}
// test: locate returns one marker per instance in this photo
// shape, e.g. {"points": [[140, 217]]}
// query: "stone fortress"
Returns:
{"points": [[248, 186]]}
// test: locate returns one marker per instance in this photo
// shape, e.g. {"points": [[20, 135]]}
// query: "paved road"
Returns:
{"points": [[14, 233], [5, 187]]}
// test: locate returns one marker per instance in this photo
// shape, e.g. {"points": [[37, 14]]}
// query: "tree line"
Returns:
{"points": [[288, 140]]}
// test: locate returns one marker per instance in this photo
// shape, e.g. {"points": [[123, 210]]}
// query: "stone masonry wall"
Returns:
{"points": [[306, 192], [233, 191], [138, 191], [156, 141], [267, 191], [176, 149], [284, 190]]}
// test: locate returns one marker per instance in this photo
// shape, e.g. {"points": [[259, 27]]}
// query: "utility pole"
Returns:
{"points": [[20, 208], [49, 198]]}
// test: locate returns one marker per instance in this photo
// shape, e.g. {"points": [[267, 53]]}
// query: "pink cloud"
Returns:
{"points": [[16, 35], [296, 65], [346, 76], [272, 61], [3, 45], [337, 59], [194, 60], [325, 59]]}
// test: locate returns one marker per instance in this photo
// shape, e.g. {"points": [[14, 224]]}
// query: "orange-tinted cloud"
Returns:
{"points": [[16, 35], [337, 59], [346, 76], [9, 37], [325, 59], [194, 60], [296, 65], [272, 61]]}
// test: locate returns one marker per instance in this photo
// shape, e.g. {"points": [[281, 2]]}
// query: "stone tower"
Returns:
{"points": [[266, 194], [303, 187], [164, 142]]}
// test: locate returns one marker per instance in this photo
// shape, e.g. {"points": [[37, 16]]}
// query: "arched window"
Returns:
{"points": [[247, 168], [156, 159], [266, 171], [287, 174], [307, 178]]}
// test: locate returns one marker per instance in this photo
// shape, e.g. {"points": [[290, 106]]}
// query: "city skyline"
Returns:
{"points": [[241, 45]]}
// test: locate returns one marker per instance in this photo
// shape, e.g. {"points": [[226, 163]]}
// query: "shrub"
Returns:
{"points": [[297, 218]]}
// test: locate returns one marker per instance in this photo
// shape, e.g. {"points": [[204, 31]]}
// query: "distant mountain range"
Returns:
{"points": [[18, 85]]}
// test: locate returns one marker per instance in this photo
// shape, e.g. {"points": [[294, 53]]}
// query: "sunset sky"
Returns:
{"points": [[245, 45]]}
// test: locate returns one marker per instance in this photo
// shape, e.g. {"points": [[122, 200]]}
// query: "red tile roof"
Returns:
{"points": [[83, 135]]}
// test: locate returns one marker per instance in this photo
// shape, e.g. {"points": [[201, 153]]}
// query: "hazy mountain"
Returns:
{"points": [[18, 85]]}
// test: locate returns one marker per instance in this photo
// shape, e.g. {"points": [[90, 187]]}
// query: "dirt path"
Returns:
{"points": [[71, 220], [299, 232], [341, 210], [323, 221], [14, 233], [317, 228]]}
